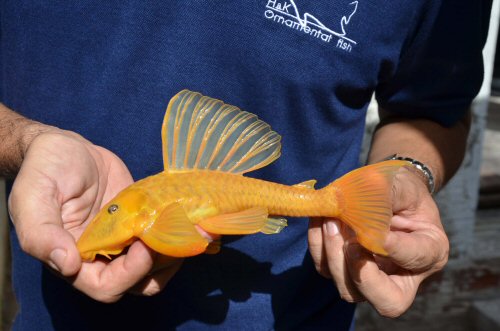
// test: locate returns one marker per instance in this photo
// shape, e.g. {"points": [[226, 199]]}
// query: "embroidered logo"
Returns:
{"points": [[287, 13]]}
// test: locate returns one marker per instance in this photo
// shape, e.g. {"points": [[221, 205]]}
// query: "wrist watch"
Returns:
{"points": [[419, 166]]}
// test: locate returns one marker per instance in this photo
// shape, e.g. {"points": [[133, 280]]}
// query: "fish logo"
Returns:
{"points": [[287, 13]]}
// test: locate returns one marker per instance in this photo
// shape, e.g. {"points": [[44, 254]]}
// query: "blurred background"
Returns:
{"points": [[466, 294]]}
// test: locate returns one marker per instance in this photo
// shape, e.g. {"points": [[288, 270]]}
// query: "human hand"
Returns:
{"points": [[417, 247], [63, 181]]}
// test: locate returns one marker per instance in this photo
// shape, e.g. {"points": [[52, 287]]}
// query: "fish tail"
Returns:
{"points": [[364, 202]]}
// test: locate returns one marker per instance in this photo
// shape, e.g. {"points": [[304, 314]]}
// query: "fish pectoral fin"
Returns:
{"points": [[248, 221], [173, 234]]}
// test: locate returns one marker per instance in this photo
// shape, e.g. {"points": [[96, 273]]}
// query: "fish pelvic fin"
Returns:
{"points": [[203, 133], [274, 225], [173, 234], [213, 247], [364, 200], [248, 221]]}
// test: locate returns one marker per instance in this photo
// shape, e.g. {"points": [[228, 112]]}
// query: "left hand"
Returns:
{"points": [[417, 247], [63, 181]]}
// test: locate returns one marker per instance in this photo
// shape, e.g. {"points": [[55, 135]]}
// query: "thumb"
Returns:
{"points": [[57, 248], [40, 232], [417, 246]]}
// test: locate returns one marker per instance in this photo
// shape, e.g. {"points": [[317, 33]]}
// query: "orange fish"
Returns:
{"points": [[207, 147]]}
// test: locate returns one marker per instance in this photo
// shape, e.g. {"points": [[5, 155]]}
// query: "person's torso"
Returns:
{"points": [[107, 70]]}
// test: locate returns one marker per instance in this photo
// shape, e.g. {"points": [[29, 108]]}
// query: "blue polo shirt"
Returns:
{"points": [[107, 69]]}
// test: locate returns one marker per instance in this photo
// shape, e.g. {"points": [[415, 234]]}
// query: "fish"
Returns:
{"points": [[208, 146]]}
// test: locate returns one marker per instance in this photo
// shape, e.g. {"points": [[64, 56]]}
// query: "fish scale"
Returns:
{"points": [[230, 193]]}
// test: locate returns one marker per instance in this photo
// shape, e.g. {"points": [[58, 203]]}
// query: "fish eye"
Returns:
{"points": [[112, 209]]}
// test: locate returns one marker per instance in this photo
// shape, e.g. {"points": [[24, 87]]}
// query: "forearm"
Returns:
{"points": [[441, 149], [16, 133]]}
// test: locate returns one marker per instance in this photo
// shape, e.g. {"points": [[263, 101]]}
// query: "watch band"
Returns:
{"points": [[420, 166]]}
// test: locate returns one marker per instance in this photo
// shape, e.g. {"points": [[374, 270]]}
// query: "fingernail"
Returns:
{"points": [[332, 227], [57, 257]]}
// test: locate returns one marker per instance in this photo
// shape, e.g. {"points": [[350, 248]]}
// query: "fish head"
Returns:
{"points": [[112, 229]]}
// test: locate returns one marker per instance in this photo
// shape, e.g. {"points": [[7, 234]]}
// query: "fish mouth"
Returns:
{"points": [[89, 255]]}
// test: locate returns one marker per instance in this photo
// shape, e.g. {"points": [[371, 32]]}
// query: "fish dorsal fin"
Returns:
{"points": [[307, 184], [200, 132]]}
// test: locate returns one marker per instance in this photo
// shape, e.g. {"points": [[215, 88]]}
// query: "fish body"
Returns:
{"points": [[207, 147], [217, 192]]}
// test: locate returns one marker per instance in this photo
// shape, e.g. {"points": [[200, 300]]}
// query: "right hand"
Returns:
{"points": [[63, 181], [417, 247]]}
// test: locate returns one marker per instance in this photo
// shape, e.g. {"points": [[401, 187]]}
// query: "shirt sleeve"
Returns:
{"points": [[441, 69]]}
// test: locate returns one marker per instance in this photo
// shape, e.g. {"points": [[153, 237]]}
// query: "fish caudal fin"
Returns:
{"points": [[365, 202], [248, 221]]}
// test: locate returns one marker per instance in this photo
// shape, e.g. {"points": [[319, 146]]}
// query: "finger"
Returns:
{"points": [[420, 246], [316, 248], [387, 265], [164, 261], [107, 281], [412, 199], [118, 174], [155, 283], [38, 226], [389, 295], [408, 191], [207, 235], [334, 241]]}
